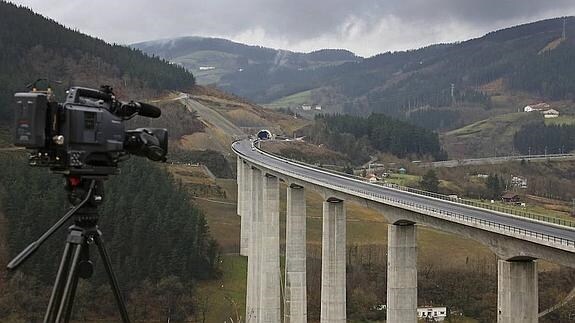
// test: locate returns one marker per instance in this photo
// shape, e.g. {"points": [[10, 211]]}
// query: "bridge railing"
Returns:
{"points": [[489, 206], [471, 219], [451, 214]]}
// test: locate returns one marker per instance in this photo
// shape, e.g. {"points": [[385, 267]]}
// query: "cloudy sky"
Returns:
{"points": [[366, 27]]}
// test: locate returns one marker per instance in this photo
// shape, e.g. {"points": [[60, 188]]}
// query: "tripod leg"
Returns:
{"points": [[53, 304], [70, 304], [71, 280], [112, 278]]}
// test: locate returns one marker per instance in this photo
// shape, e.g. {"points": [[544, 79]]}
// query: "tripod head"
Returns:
{"points": [[85, 194]]}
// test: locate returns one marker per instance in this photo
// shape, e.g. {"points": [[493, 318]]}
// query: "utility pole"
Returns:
{"points": [[452, 93], [564, 36]]}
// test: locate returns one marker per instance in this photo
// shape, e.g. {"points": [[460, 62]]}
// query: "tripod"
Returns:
{"points": [[85, 194]]}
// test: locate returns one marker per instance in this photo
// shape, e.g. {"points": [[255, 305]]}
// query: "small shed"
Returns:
{"points": [[510, 197], [551, 113], [432, 313]]}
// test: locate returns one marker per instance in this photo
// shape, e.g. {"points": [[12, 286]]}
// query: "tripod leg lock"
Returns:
{"points": [[75, 237]]}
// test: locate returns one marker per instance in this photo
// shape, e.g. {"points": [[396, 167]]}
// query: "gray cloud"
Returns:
{"points": [[364, 26]]}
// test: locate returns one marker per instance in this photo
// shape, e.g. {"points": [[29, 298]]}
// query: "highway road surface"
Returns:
{"points": [[244, 148]]}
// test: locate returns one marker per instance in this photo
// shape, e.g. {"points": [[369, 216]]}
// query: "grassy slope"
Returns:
{"points": [[561, 120], [245, 115], [248, 116], [224, 63], [489, 137]]}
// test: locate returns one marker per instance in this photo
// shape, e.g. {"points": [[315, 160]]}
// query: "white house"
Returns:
{"points": [[536, 107], [517, 181], [432, 313], [306, 107], [551, 113]]}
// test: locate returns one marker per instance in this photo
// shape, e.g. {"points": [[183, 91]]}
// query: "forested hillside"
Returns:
{"points": [[539, 138], [33, 47], [359, 137]]}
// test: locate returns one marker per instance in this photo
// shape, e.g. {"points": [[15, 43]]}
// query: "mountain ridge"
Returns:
{"points": [[211, 58], [416, 85]]}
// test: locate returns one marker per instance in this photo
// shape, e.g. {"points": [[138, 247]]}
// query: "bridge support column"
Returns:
{"points": [[244, 204], [254, 264], [333, 261], [270, 253], [517, 291], [402, 274], [239, 179], [295, 310]]}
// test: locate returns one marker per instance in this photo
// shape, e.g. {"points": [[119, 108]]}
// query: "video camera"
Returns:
{"points": [[85, 135]]}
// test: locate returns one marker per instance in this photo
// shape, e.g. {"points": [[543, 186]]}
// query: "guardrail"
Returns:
{"points": [[482, 205], [487, 206], [412, 205]]}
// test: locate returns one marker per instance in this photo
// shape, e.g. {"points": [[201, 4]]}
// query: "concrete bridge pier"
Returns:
{"points": [[270, 252], [244, 205], [517, 291], [402, 273], [295, 309], [333, 261], [254, 264], [240, 178]]}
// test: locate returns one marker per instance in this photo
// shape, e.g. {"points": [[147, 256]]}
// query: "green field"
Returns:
{"points": [[224, 63], [511, 121], [561, 120], [404, 180], [292, 101], [224, 298]]}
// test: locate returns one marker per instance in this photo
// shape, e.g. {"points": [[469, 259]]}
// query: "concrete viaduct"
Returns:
{"points": [[517, 241]]}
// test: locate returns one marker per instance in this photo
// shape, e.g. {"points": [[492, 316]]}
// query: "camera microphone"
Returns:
{"points": [[148, 110], [143, 109]]}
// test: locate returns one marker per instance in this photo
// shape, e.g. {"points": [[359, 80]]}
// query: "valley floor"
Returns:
{"points": [[367, 246]]}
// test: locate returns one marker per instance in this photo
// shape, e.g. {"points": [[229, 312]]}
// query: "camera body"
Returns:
{"points": [[84, 135]]}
